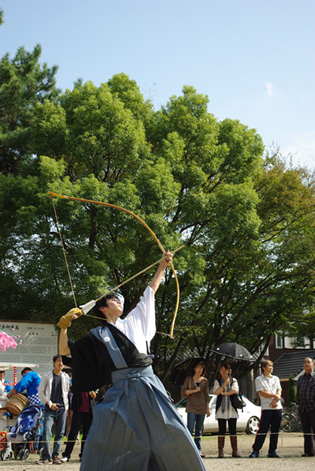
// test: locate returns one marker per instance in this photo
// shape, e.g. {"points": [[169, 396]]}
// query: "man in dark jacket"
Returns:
{"points": [[306, 401]]}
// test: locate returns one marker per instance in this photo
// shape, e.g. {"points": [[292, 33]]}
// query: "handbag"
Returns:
{"points": [[237, 401]]}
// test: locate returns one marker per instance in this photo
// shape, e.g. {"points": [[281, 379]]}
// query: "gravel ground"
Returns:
{"points": [[290, 447]]}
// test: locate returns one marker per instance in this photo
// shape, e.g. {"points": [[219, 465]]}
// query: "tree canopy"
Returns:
{"points": [[245, 216]]}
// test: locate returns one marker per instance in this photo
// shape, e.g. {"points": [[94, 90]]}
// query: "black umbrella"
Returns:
{"points": [[233, 350], [183, 369]]}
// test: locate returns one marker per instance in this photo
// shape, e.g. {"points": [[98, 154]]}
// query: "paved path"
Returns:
{"points": [[290, 448]]}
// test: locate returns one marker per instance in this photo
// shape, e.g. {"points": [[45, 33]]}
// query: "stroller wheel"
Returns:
{"points": [[26, 454], [21, 455], [5, 456]]}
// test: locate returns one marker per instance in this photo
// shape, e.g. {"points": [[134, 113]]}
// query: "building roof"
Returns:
{"points": [[291, 363]]}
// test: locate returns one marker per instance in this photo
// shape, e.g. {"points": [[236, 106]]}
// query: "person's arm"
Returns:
{"points": [[220, 389], [64, 323], [275, 401], [64, 348], [232, 391], [10, 393], [269, 395], [156, 280], [297, 399], [205, 385], [42, 391], [8, 387], [189, 392], [186, 391]]}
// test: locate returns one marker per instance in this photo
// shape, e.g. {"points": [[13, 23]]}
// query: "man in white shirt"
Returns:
{"points": [[269, 390]]}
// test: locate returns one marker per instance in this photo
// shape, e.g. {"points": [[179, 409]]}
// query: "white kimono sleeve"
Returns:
{"points": [[139, 324]]}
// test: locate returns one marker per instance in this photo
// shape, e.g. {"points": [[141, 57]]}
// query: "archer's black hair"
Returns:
{"points": [[103, 303]]}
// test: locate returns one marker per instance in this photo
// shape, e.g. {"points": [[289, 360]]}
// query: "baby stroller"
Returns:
{"points": [[24, 437]]}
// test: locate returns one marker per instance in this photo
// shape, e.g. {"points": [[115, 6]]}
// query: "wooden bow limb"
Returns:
{"points": [[101, 203]]}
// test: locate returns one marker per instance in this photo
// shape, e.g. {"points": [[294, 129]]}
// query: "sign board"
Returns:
{"points": [[37, 343]]}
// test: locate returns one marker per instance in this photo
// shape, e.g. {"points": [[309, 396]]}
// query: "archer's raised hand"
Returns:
{"points": [[156, 280], [168, 258]]}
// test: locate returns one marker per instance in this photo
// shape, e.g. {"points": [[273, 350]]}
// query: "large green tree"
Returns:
{"points": [[23, 83], [246, 222]]}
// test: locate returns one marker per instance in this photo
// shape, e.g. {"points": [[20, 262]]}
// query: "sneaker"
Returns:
{"points": [[64, 459], [254, 454], [56, 460], [273, 454], [202, 455], [43, 462]]}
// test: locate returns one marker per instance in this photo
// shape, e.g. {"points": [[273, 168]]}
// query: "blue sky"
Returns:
{"points": [[254, 59]]}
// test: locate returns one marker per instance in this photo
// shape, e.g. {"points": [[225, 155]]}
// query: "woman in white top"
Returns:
{"points": [[225, 388]]}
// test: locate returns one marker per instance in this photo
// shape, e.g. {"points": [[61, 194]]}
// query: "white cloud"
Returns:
{"points": [[270, 88]]}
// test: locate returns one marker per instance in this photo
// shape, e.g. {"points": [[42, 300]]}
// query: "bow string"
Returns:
{"points": [[114, 206]]}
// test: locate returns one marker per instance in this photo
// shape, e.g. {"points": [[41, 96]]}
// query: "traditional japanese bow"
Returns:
{"points": [[114, 206]]}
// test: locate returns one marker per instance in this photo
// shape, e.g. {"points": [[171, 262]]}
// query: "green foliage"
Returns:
{"points": [[247, 223], [291, 391], [23, 84]]}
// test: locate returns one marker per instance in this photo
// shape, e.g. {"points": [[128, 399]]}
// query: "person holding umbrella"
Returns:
{"points": [[196, 389], [225, 388]]}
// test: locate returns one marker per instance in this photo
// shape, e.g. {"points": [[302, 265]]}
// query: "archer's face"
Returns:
{"points": [[113, 310]]}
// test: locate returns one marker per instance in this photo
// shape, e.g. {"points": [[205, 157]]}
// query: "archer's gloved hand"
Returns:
{"points": [[65, 321]]}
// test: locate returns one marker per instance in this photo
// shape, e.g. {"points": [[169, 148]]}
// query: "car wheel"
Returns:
{"points": [[252, 425]]}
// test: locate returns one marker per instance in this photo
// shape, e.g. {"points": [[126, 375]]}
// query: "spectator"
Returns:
{"points": [[4, 390], [196, 389], [53, 391], [30, 382], [306, 400], [269, 390], [226, 388], [82, 414], [6, 386]]}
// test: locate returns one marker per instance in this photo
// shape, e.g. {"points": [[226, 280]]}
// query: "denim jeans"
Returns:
{"points": [[59, 417], [195, 421]]}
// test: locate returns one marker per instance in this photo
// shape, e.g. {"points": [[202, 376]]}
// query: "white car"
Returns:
{"points": [[248, 420]]}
